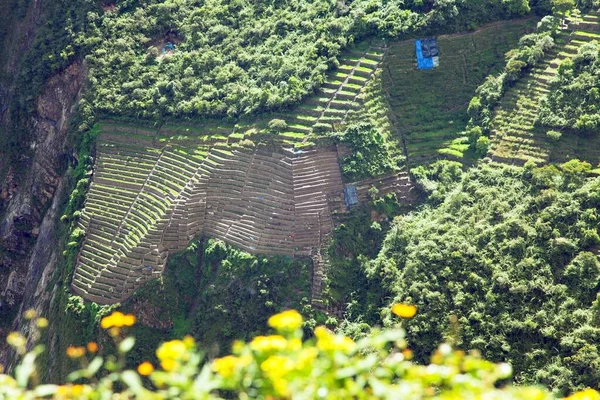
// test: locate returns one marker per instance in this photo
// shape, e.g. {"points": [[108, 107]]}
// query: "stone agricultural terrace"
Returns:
{"points": [[265, 191], [146, 202]]}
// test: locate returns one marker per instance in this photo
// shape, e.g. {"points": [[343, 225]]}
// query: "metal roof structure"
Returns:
{"points": [[350, 195]]}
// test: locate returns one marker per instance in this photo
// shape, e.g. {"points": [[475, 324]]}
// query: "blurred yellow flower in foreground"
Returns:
{"points": [[145, 368], [92, 347], [189, 342], [587, 394], [404, 310], [42, 323], [225, 366], [327, 341], [15, 339], [286, 321], [75, 352], [70, 391], [117, 320], [174, 349], [168, 365], [265, 344], [276, 368]]}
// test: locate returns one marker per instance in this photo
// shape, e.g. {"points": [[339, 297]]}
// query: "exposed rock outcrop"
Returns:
{"points": [[28, 199], [26, 191]]}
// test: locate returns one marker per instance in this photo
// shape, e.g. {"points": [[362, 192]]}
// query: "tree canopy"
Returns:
{"points": [[511, 252], [573, 101]]}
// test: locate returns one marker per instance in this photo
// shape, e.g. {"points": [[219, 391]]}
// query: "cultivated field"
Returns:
{"points": [[430, 106], [515, 139], [267, 191]]}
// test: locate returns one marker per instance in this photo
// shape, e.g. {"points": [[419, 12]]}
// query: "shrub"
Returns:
{"points": [[554, 135], [482, 145], [474, 108], [514, 69], [277, 125], [247, 143], [371, 154], [474, 134], [321, 127]]}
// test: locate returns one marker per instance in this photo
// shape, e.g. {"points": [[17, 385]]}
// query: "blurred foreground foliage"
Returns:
{"points": [[278, 366]]}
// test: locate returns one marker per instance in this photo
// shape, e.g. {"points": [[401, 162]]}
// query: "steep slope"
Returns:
{"points": [[153, 190], [265, 200], [430, 105], [515, 138]]}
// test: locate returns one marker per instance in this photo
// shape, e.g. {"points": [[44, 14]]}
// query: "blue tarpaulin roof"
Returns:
{"points": [[427, 53], [350, 195], [168, 47]]}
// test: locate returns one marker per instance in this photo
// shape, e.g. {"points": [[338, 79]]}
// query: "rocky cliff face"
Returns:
{"points": [[27, 199], [25, 195]]}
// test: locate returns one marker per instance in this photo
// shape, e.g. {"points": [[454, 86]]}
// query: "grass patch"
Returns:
{"points": [[431, 106]]}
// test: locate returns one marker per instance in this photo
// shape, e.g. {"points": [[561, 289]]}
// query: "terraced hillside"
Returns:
{"points": [[266, 191], [147, 200], [430, 106], [341, 92], [515, 139]]}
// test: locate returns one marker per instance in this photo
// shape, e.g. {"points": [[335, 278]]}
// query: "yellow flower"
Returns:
{"points": [[294, 344], [30, 314], [287, 321], [171, 353], [404, 310], [168, 365], [63, 390], [225, 366], [266, 344], [117, 319], [145, 368], [42, 323], [189, 342], [587, 394], [75, 352], [70, 391], [15, 339], [238, 346], [174, 349], [276, 368], [77, 390], [327, 341], [92, 347], [281, 387]]}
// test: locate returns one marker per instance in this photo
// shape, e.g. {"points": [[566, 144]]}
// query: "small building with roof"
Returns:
{"points": [[350, 195], [427, 53]]}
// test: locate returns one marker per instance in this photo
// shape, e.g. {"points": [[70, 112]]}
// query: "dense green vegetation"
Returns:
{"points": [[356, 239], [528, 54], [217, 294], [430, 105], [230, 58], [516, 134], [574, 99], [238, 57], [510, 252], [368, 135]]}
